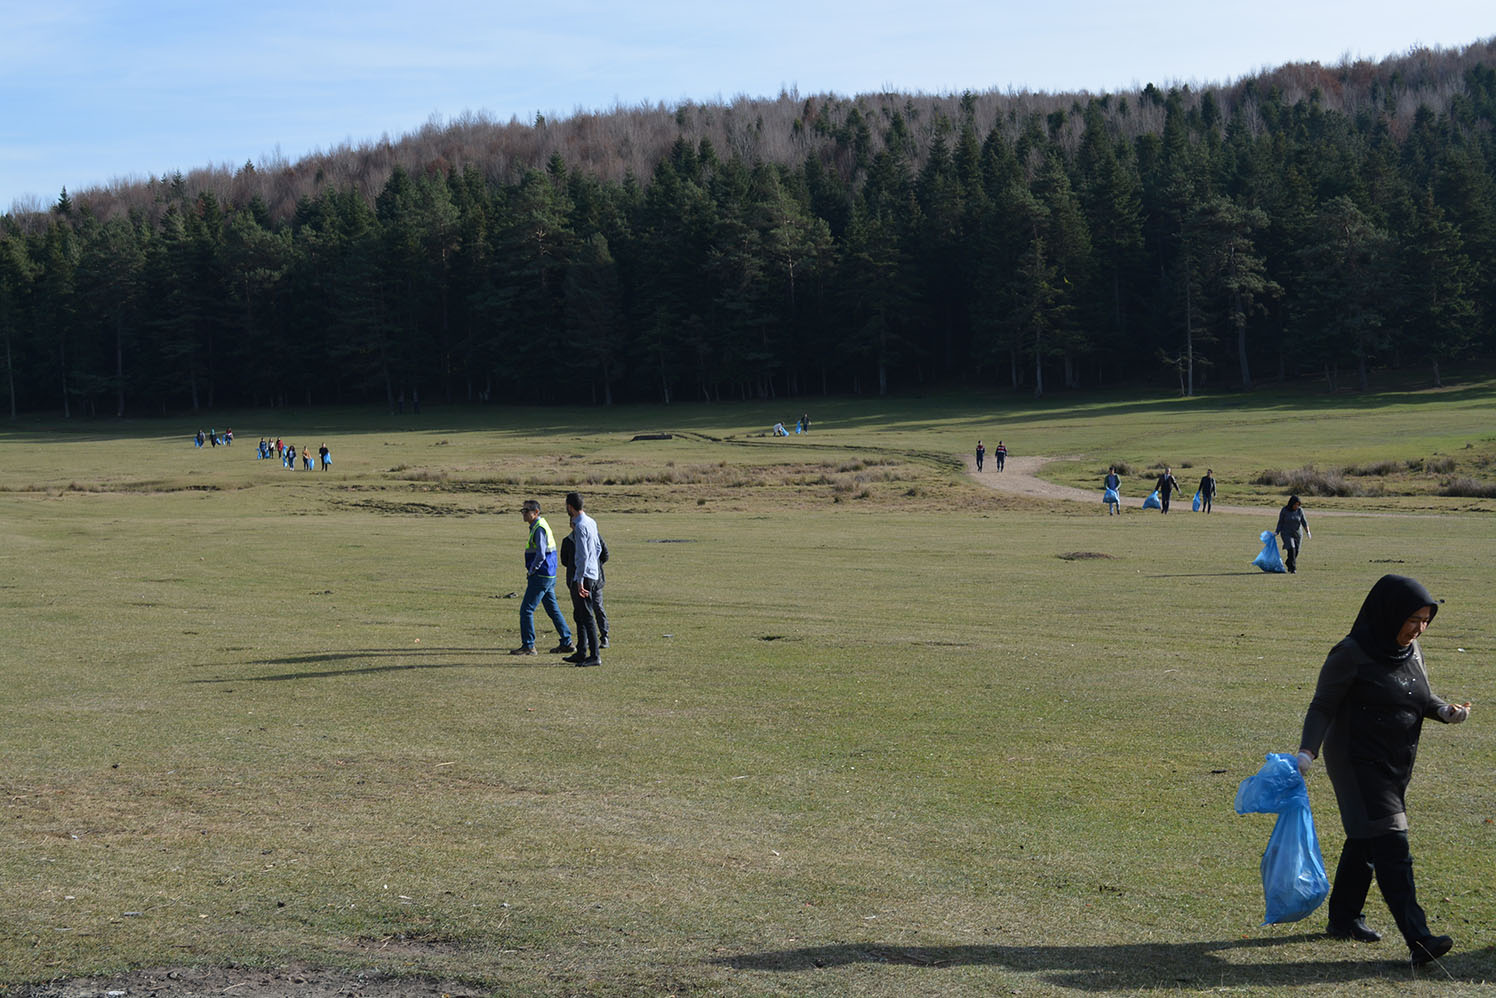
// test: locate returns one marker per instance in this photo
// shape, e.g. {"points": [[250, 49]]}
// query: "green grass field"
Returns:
{"points": [[865, 728]]}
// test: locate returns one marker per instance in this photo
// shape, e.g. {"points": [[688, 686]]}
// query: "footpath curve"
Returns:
{"points": [[1020, 476]]}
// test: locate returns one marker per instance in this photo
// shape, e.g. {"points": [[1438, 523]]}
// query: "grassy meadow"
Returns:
{"points": [[866, 727]]}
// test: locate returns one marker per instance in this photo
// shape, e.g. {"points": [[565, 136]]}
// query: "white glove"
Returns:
{"points": [[1305, 761], [1453, 713]]}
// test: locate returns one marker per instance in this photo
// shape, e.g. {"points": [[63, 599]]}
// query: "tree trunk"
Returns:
{"points": [[119, 365]]}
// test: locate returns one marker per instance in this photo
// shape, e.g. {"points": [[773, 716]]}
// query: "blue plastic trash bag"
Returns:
{"points": [[1195, 503], [1110, 496], [1153, 501], [1269, 560], [1293, 871]]}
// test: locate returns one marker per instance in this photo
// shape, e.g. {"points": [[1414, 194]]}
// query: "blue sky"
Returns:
{"points": [[93, 91]]}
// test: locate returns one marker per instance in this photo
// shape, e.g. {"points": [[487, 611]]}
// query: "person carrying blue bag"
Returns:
{"points": [[1110, 495], [1293, 873], [1369, 705]]}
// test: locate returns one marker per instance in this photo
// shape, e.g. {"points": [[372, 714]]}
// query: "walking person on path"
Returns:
{"points": [[1001, 454], [1112, 496], [1207, 490], [981, 453], [540, 584], [1167, 484]]}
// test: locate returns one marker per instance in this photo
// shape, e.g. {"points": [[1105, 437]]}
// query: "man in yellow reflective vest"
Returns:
{"points": [[540, 568]]}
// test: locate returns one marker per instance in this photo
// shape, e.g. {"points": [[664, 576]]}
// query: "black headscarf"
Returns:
{"points": [[1387, 607]]}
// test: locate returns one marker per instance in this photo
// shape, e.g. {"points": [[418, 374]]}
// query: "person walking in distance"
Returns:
{"points": [[981, 453], [1167, 484], [540, 583], [587, 551], [1000, 455], [1207, 490], [1293, 528], [1113, 498]]}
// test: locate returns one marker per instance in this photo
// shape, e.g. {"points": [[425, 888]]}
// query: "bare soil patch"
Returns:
{"points": [[294, 981]]}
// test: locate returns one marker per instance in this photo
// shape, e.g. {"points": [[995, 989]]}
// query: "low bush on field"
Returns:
{"points": [[1309, 481], [1381, 468], [1467, 488]]}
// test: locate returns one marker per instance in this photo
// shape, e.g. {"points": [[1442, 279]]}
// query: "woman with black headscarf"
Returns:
{"points": [[1293, 528], [1368, 710]]}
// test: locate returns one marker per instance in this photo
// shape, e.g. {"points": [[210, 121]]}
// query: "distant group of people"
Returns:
{"points": [[1164, 489], [288, 455], [213, 438], [582, 553], [802, 425], [999, 455]]}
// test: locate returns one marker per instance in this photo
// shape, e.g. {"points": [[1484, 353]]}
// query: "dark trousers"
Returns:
{"points": [[1290, 551], [1204, 503], [1388, 857], [598, 611], [1163, 497], [585, 609]]}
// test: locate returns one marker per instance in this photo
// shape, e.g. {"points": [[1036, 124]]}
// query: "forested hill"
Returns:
{"points": [[1306, 221]]}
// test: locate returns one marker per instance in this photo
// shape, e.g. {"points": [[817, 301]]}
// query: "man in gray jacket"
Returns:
{"points": [[587, 553]]}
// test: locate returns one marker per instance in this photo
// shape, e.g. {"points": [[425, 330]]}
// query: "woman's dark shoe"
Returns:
{"points": [[1429, 948], [1357, 930]]}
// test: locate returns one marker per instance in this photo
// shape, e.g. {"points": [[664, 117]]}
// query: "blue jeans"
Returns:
{"points": [[541, 589]]}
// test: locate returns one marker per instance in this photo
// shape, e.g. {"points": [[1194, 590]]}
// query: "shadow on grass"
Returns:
{"points": [[1208, 575], [1123, 968], [502, 660]]}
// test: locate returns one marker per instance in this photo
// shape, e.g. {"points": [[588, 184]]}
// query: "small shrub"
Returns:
{"points": [[1309, 481], [1376, 469], [1123, 468], [1439, 465], [1467, 488]]}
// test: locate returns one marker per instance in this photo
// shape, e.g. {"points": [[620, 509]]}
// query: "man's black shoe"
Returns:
{"points": [[604, 642], [1357, 930], [563, 647], [575, 659], [1429, 948], [586, 662]]}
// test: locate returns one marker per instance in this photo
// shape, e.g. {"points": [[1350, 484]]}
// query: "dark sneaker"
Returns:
{"points": [[587, 662], [523, 650], [1357, 930], [1429, 948], [564, 646]]}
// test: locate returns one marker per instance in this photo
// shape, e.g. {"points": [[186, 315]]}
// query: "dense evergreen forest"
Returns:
{"points": [[1307, 222]]}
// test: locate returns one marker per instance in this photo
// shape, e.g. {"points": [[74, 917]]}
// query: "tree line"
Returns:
{"points": [[1217, 237]]}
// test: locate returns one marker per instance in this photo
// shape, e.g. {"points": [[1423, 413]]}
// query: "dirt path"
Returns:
{"points": [[1020, 476]]}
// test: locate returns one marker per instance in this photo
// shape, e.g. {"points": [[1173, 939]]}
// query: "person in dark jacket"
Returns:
{"points": [[1293, 528], [1166, 486], [1368, 710], [1207, 490]]}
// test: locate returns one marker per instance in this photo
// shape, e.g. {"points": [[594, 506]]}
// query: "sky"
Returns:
{"points": [[93, 92]]}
